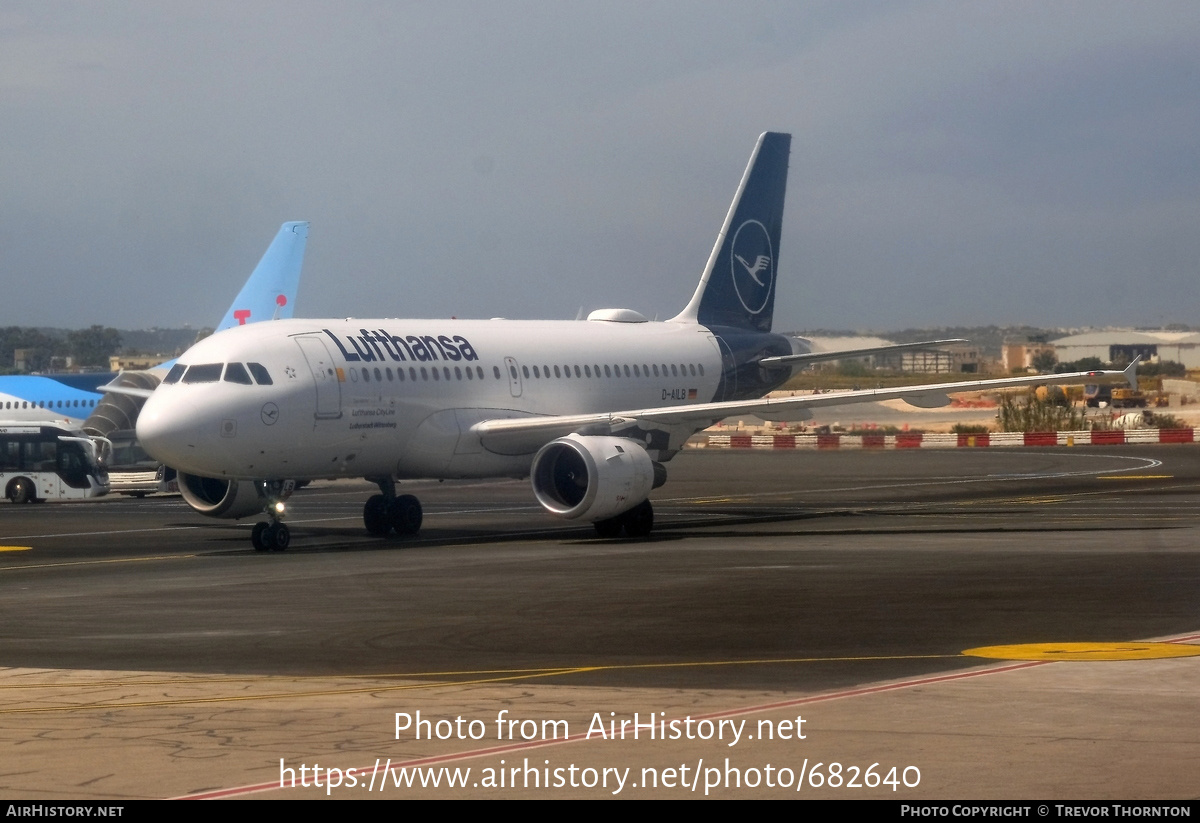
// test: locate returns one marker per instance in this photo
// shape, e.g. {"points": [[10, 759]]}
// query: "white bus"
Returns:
{"points": [[47, 462], [130, 470]]}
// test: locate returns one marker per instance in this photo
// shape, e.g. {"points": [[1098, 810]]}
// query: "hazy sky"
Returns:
{"points": [[952, 163]]}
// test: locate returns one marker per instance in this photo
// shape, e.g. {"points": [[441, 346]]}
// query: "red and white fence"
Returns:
{"points": [[905, 440]]}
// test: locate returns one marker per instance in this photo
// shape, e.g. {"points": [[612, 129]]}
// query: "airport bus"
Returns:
{"points": [[130, 470], [48, 462]]}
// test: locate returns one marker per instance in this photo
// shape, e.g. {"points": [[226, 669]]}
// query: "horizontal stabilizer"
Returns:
{"points": [[825, 356]]}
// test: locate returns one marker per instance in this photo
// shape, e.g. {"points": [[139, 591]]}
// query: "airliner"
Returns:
{"points": [[69, 399], [590, 411]]}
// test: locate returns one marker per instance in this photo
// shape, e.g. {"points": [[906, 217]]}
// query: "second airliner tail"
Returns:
{"points": [[270, 293], [737, 288]]}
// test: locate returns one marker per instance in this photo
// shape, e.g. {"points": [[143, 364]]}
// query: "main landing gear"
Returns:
{"points": [[386, 512], [637, 522], [274, 535], [270, 537]]}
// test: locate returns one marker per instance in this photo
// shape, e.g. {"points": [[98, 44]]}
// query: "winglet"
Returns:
{"points": [[270, 293], [1130, 373]]}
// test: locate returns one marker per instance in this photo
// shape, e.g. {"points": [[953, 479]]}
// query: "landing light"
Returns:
{"points": [[279, 507]]}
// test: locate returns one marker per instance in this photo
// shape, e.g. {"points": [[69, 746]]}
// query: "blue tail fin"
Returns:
{"points": [[738, 286], [270, 293]]}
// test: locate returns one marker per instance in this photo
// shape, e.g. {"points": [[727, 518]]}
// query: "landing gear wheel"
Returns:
{"points": [[257, 537], [21, 491], [406, 514], [279, 536], [639, 521], [375, 515], [608, 529], [635, 523]]}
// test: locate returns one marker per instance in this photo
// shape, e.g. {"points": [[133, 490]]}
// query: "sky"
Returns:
{"points": [[952, 163]]}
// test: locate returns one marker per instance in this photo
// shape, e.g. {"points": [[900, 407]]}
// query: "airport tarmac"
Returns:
{"points": [[151, 653]]}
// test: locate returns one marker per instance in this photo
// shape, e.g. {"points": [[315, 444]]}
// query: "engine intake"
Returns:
{"points": [[593, 478], [228, 499]]}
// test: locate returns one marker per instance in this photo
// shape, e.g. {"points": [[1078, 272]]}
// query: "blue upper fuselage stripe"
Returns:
{"points": [[55, 386]]}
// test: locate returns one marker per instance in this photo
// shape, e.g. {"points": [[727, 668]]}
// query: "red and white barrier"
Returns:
{"points": [[906, 440]]}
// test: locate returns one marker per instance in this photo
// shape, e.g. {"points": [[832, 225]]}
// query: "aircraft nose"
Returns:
{"points": [[166, 432]]}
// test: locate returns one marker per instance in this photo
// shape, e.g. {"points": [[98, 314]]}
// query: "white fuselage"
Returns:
{"points": [[398, 398]]}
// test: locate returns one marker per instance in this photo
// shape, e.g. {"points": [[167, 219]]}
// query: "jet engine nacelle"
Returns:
{"points": [[593, 478], [229, 499]]}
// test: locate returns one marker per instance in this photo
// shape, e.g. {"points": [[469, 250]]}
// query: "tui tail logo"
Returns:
{"points": [[752, 281]]}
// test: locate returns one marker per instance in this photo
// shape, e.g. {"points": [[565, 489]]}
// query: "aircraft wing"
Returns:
{"points": [[823, 356], [129, 391], [522, 434]]}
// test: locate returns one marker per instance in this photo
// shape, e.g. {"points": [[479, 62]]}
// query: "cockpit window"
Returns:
{"points": [[260, 373], [236, 373], [204, 373], [175, 373]]}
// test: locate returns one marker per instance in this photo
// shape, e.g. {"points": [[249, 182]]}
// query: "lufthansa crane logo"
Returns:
{"points": [[752, 265]]}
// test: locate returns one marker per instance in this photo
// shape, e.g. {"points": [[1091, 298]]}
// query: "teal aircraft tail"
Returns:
{"points": [[270, 293]]}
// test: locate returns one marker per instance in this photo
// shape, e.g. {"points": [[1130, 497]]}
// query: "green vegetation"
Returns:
{"points": [[1028, 413], [88, 347], [1044, 361], [92, 347], [970, 428]]}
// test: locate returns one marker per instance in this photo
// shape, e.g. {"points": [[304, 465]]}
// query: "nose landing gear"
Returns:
{"points": [[274, 535]]}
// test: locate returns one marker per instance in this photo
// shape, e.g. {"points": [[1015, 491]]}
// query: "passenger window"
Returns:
{"points": [[175, 373], [236, 373], [261, 375], [204, 373]]}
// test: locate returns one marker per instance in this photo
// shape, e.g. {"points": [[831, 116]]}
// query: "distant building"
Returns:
{"points": [[1112, 345], [135, 362], [1020, 356], [945, 360]]}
